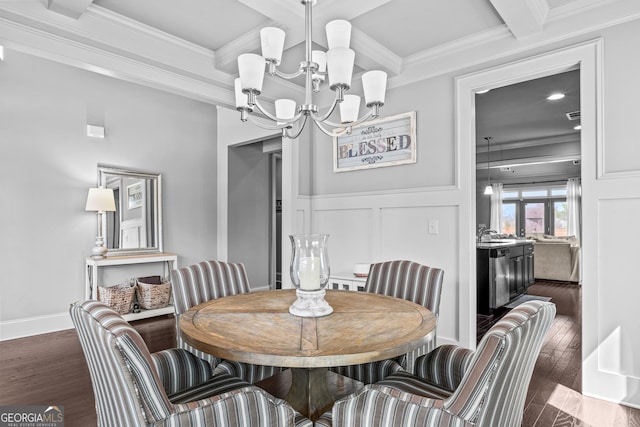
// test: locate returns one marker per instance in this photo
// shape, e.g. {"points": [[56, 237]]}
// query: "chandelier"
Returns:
{"points": [[336, 65]]}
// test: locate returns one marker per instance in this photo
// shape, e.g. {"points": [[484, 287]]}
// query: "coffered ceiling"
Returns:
{"points": [[201, 39], [190, 46]]}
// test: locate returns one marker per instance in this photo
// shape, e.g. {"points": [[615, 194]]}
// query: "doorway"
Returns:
{"points": [[254, 223], [528, 145], [588, 58]]}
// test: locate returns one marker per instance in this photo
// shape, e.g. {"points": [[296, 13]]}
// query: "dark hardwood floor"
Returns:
{"points": [[50, 369], [554, 398]]}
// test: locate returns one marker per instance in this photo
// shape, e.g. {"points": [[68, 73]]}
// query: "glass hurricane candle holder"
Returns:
{"points": [[310, 274]]}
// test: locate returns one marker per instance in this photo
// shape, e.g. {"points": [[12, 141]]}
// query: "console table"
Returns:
{"points": [[92, 266], [346, 281]]}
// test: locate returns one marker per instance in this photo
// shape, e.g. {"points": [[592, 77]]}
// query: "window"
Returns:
{"points": [[534, 210], [560, 218], [534, 217], [509, 224]]}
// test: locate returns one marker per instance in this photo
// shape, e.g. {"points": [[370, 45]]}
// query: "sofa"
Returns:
{"points": [[556, 257]]}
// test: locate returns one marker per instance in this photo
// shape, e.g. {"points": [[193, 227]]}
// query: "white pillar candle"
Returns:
{"points": [[309, 273]]}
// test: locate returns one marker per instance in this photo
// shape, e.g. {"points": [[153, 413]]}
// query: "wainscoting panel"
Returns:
{"points": [[619, 293], [428, 235], [421, 227], [350, 237]]}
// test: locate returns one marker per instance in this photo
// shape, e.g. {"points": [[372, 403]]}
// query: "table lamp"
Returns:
{"points": [[100, 200]]}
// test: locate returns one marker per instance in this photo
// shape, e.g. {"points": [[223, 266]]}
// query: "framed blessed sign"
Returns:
{"points": [[388, 141]]}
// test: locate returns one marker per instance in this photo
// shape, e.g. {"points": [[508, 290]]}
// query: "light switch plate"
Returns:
{"points": [[433, 226]]}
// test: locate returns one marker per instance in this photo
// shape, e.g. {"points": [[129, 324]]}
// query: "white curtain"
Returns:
{"points": [[573, 207], [496, 208]]}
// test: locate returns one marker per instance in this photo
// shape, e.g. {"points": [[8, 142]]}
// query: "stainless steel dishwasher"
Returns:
{"points": [[499, 293]]}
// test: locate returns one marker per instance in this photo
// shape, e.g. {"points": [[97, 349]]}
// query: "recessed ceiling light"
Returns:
{"points": [[577, 127], [1, 53], [555, 96]]}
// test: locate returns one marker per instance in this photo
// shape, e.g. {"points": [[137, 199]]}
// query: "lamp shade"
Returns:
{"points": [[349, 108], [241, 98], [488, 190], [285, 109], [251, 68], [272, 41], [100, 200], [338, 34], [320, 58], [374, 86], [340, 66]]}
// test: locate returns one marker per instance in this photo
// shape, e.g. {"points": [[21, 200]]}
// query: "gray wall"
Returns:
{"points": [[47, 163], [434, 149]]}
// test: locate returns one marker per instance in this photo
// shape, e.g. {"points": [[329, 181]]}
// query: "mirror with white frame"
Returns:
{"points": [[136, 225]]}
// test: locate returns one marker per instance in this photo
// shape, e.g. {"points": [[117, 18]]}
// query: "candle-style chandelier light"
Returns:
{"points": [[336, 64]]}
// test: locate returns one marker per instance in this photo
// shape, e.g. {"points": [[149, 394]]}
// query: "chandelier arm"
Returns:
{"points": [[361, 119], [335, 132], [298, 132], [287, 76], [263, 126], [276, 119], [350, 124], [324, 117]]}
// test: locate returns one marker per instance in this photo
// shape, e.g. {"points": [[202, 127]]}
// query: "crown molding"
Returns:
{"points": [[498, 44], [110, 44]]}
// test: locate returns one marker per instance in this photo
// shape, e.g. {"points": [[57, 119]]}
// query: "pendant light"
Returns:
{"points": [[488, 190]]}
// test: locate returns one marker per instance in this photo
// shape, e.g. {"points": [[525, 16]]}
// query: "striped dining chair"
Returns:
{"points": [[206, 281], [455, 386], [410, 281], [133, 387]]}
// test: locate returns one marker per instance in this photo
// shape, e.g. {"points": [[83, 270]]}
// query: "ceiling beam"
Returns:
{"points": [[371, 55], [524, 18], [71, 8]]}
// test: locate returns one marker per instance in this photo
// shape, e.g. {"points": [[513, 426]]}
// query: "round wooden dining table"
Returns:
{"points": [[257, 328]]}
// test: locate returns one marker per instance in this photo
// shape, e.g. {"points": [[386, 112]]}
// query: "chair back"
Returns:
{"points": [[205, 281], [491, 394], [127, 389], [494, 387], [407, 280], [413, 282]]}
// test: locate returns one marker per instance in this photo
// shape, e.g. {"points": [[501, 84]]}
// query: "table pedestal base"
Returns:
{"points": [[311, 392]]}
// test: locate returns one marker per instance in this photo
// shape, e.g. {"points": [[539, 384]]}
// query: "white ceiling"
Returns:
{"points": [[193, 44], [386, 33]]}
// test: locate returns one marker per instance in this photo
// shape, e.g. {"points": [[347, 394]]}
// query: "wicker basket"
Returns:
{"points": [[152, 292], [118, 297]]}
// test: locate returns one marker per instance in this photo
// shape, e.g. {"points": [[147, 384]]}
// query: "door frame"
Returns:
{"points": [[585, 56]]}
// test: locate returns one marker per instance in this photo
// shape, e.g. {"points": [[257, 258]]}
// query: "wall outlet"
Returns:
{"points": [[433, 226]]}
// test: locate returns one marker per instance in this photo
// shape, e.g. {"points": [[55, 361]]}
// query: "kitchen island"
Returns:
{"points": [[504, 271]]}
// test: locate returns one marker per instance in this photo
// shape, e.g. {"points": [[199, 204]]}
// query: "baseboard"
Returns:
{"points": [[616, 401], [28, 326]]}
